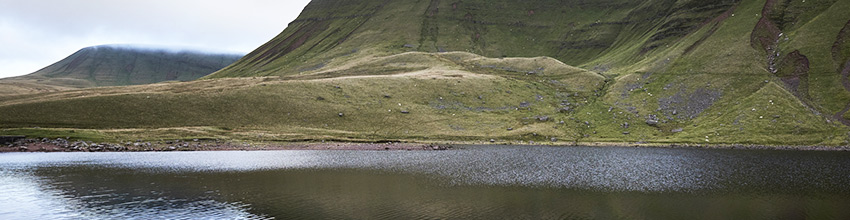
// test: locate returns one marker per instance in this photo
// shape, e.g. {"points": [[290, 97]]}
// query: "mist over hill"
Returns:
{"points": [[117, 65]]}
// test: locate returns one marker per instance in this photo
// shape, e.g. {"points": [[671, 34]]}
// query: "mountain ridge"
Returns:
{"points": [[117, 65], [560, 72]]}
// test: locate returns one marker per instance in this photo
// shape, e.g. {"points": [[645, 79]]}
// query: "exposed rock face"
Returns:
{"points": [[794, 71], [10, 139], [793, 68], [841, 55], [766, 34], [841, 47], [688, 105]]}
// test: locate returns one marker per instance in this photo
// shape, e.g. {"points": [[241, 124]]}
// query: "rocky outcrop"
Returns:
{"points": [[67, 145], [841, 47], [794, 72], [766, 34], [10, 139]]}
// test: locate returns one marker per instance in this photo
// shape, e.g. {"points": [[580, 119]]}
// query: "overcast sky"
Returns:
{"points": [[37, 33]]}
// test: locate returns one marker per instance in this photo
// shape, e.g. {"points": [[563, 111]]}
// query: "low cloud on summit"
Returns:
{"points": [[34, 34]]}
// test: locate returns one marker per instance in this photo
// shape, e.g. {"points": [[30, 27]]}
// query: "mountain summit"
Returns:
{"points": [[117, 65]]}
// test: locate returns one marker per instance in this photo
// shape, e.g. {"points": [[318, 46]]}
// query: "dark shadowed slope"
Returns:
{"points": [[603, 34]]}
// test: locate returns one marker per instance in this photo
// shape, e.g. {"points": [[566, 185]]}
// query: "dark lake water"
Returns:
{"points": [[475, 182]]}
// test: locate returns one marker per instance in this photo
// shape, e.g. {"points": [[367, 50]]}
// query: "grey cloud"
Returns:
{"points": [[44, 31]]}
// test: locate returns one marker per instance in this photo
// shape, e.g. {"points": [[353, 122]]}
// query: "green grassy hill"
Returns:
{"points": [[587, 34], [118, 65], [708, 72]]}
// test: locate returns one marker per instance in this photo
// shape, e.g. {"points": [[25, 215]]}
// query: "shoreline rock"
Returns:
{"points": [[63, 145]]}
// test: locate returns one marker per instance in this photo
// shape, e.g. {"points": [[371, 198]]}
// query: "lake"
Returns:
{"points": [[472, 182]]}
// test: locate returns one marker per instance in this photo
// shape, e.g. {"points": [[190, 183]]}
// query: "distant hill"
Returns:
{"points": [[118, 65]]}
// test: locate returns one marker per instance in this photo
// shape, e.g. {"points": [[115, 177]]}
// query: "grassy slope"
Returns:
{"points": [[445, 102], [815, 41], [687, 64], [609, 33], [729, 74]]}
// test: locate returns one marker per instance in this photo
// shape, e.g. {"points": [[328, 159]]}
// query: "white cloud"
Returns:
{"points": [[34, 34]]}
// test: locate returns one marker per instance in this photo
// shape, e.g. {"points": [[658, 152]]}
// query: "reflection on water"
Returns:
{"points": [[71, 194], [474, 182]]}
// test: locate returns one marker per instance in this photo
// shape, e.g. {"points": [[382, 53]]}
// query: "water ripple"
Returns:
{"points": [[608, 169], [61, 183]]}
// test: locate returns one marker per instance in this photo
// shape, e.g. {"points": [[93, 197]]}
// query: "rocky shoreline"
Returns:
{"points": [[64, 145], [21, 144], [722, 146]]}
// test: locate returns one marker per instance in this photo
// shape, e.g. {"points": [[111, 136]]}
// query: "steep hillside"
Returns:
{"points": [[572, 71], [578, 32], [116, 65]]}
